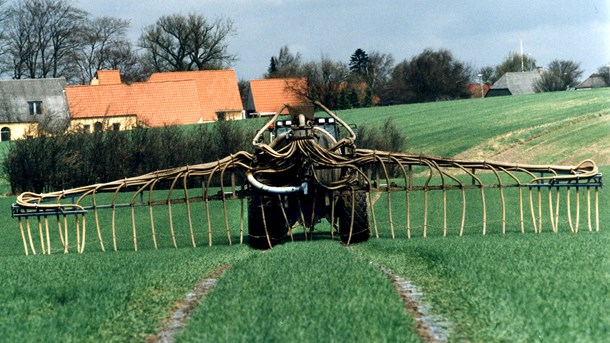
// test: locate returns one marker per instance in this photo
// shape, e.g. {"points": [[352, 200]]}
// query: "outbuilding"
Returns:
{"points": [[31, 105]]}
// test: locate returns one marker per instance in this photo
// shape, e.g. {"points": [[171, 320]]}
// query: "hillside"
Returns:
{"points": [[548, 128]]}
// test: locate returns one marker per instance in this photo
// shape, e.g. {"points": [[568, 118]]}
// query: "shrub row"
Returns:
{"points": [[48, 163], [388, 137]]}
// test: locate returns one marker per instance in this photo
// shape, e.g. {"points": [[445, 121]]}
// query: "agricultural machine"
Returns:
{"points": [[305, 168], [289, 190]]}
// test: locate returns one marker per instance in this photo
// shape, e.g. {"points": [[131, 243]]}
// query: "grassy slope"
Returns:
{"points": [[535, 287], [454, 127]]}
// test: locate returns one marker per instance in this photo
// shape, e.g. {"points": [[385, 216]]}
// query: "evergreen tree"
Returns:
{"points": [[343, 101], [272, 67], [352, 98], [367, 101], [358, 62]]}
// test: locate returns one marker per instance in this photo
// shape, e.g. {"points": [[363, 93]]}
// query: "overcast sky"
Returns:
{"points": [[479, 32]]}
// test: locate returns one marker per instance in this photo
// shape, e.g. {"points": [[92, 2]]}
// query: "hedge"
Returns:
{"points": [[49, 163]]}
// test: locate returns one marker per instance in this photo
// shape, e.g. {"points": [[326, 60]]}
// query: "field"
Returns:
{"points": [[492, 288]]}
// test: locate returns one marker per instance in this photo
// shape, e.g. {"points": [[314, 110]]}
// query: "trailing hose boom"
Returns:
{"points": [[303, 170]]}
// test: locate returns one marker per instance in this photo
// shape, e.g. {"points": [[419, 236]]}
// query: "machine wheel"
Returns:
{"points": [[361, 231], [275, 222]]}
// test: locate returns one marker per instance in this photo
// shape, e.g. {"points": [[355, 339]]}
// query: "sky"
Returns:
{"points": [[480, 33]]}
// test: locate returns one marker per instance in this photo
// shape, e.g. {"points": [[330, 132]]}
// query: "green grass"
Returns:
{"points": [[5, 187], [513, 287], [314, 292], [452, 127], [549, 287], [99, 297]]}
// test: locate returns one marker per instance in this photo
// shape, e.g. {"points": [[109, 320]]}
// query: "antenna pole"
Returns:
{"points": [[522, 66]]}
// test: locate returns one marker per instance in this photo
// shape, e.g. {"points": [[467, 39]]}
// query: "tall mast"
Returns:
{"points": [[522, 66]]}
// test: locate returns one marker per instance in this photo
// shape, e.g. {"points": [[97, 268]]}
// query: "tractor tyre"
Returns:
{"points": [[261, 235], [360, 231]]}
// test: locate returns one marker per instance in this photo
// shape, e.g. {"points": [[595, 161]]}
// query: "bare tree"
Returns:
{"points": [[3, 41], [559, 76], [487, 74], [40, 38], [326, 79], [604, 73], [514, 62], [191, 42], [104, 46], [285, 64], [379, 69]]}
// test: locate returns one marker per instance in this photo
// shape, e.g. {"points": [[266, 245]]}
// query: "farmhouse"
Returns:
{"points": [[175, 98], [267, 96], [514, 83], [593, 81], [27, 106]]}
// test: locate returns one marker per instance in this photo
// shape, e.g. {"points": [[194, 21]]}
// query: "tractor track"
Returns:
{"points": [[181, 311], [430, 328]]}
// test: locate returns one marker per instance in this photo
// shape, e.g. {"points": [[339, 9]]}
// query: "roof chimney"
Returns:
{"points": [[106, 77]]}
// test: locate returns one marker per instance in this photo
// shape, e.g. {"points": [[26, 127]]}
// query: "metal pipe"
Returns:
{"points": [[276, 190]]}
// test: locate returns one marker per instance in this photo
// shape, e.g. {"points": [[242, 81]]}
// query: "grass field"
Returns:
{"points": [[513, 287]]}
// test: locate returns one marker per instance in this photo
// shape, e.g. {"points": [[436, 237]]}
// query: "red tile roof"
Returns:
{"points": [[169, 103], [217, 89], [269, 95], [108, 77], [165, 99]]}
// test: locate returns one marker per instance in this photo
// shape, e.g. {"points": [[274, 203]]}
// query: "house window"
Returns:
{"points": [[86, 128], [116, 126], [5, 134], [98, 126], [35, 107]]}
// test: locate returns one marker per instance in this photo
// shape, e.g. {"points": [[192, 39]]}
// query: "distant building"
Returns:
{"points": [[217, 91], [593, 81], [514, 83], [477, 91], [172, 98], [28, 106], [267, 96]]}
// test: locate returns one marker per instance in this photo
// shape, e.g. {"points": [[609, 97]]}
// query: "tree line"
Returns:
{"points": [[54, 38], [373, 78]]}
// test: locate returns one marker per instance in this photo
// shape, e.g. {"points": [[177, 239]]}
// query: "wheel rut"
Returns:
{"points": [[431, 328], [181, 311]]}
